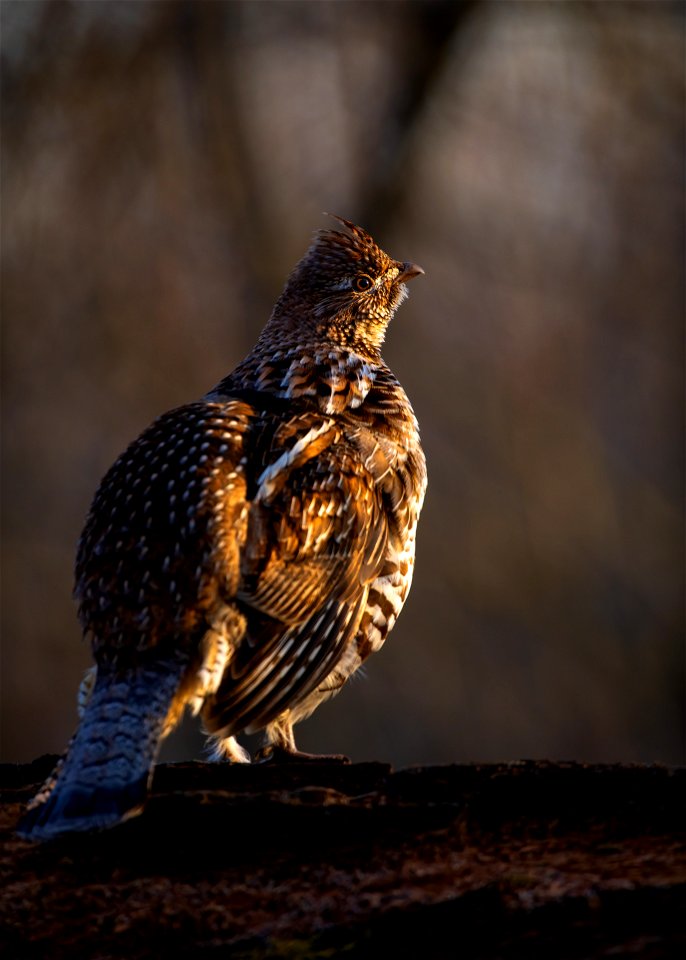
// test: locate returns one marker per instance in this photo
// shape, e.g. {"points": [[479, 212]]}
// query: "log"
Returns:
{"points": [[533, 859]]}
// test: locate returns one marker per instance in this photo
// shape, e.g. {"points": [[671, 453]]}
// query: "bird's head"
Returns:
{"points": [[345, 289]]}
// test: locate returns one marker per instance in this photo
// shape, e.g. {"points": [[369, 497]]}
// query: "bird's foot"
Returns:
{"points": [[274, 754]]}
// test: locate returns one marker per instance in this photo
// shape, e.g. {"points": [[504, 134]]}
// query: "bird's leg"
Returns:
{"points": [[227, 748], [279, 746]]}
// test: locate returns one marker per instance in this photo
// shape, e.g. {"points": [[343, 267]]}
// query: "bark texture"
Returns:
{"points": [[528, 859]]}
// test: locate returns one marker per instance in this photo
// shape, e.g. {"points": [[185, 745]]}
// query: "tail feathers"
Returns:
{"points": [[103, 778], [75, 809]]}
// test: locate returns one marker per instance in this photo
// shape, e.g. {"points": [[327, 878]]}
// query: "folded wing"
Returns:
{"points": [[315, 542]]}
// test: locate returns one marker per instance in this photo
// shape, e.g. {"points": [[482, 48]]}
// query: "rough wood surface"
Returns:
{"points": [[320, 860]]}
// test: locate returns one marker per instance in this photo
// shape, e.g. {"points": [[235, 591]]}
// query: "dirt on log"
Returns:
{"points": [[525, 859]]}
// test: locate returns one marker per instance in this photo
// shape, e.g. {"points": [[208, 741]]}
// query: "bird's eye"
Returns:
{"points": [[363, 283]]}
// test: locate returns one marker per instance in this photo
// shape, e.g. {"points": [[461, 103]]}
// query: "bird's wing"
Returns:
{"points": [[161, 546], [315, 527], [316, 539]]}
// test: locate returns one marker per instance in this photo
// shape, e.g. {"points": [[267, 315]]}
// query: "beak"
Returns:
{"points": [[408, 272]]}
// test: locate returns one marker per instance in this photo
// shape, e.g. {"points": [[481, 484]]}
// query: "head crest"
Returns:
{"points": [[356, 244]]}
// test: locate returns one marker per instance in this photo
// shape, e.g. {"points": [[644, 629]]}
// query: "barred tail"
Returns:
{"points": [[103, 777]]}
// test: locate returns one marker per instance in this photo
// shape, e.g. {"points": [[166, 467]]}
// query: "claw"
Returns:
{"points": [[273, 754]]}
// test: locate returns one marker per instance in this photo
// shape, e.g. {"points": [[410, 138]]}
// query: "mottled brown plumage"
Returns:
{"points": [[247, 552]]}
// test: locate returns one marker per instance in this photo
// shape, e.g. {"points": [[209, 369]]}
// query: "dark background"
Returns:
{"points": [[163, 167]]}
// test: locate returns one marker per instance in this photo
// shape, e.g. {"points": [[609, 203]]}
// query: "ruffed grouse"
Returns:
{"points": [[247, 552]]}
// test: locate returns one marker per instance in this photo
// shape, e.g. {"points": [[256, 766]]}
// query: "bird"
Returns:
{"points": [[248, 551]]}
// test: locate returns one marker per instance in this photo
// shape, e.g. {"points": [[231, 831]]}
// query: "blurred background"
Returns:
{"points": [[164, 165]]}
